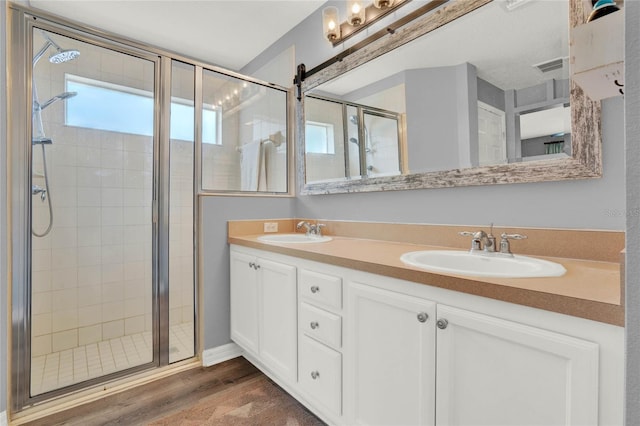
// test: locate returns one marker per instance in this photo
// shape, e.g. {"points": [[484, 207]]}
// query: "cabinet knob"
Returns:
{"points": [[315, 289], [252, 265], [423, 317], [314, 325], [442, 323], [256, 266], [315, 375]]}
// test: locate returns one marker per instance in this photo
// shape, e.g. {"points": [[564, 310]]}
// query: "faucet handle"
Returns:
{"points": [[319, 227], [513, 236], [475, 242], [505, 247]]}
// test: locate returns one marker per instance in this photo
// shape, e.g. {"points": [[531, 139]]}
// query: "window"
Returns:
{"points": [[112, 107], [319, 138]]}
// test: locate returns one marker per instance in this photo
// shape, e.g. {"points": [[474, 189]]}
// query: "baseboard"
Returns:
{"points": [[3, 418], [219, 354]]}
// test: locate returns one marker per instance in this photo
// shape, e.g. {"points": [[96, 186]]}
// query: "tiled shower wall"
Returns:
{"points": [[92, 274]]}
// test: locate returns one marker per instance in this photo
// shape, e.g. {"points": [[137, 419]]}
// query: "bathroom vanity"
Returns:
{"points": [[360, 338]]}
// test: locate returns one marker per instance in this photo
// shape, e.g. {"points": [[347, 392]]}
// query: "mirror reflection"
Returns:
{"points": [[491, 87]]}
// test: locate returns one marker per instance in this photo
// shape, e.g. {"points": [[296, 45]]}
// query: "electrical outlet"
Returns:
{"points": [[271, 227]]}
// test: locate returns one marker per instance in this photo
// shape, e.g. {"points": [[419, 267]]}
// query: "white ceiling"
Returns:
{"points": [[222, 32]]}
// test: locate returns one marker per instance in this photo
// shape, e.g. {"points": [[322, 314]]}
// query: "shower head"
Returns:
{"points": [[60, 97], [60, 56]]}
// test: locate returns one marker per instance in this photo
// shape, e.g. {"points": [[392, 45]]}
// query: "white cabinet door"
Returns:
{"points": [[390, 351], [244, 302], [278, 317], [496, 372]]}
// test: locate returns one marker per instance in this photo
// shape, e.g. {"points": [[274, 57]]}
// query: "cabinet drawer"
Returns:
{"points": [[320, 374], [322, 325], [321, 288]]}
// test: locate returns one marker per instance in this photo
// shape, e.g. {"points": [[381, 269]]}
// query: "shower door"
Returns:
{"points": [[92, 227]]}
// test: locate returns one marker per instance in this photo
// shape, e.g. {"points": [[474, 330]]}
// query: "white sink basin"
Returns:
{"points": [[293, 238], [482, 265]]}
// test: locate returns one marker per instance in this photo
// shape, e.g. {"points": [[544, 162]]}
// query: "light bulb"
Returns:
{"points": [[357, 13], [330, 27]]}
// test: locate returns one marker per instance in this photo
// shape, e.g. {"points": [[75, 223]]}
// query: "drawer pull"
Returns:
{"points": [[423, 317], [252, 265], [314, 325], [315, 375], [442, 323], [315, 289]]}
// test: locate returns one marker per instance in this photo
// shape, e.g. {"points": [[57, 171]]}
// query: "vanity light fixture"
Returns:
{"points": [[359, 17]]}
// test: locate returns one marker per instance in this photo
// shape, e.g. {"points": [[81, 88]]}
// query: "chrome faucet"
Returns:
{"points": [[481, 241], [311, 229]]}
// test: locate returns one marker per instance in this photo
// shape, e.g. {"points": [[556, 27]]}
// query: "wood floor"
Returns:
{"points": [[231, 393]]}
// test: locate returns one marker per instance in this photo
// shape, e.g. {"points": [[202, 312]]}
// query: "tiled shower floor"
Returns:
{"points": [[60, 369]]}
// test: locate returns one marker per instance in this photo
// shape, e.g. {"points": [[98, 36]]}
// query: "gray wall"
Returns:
{"points": [[216, 211], [632, 294], [4, 290]]}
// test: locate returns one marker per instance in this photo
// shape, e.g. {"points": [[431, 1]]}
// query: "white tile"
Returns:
{"points": [[89, 197], [89, 275], [64, 176], [111, 141], [112, 311], [64, 258], [134, 271], [113, 329], [41, 281], [41, 303], [135, 216], [88, 156], [66, 217], [133, 325], [112, 197], [133, 252], [113, 235], [89, 256], [89, 217], [112, 178], [41, 345], [63, 237], [134, 197], [112, 216], [90, 315], [64, 299], [112, 254], [90, 296], [64, 278], [133, 179], [134, 160], [89, 236], [64, 340], [41, 324], [64, 320], [91, 334], [134, 307], [89, 177], [112, 159], [41, 260], [113, 292], [64, 196], [135, 234], [112, 273]]}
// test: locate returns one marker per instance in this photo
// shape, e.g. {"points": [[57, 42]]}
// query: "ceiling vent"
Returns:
{"points": [[552, 65]]}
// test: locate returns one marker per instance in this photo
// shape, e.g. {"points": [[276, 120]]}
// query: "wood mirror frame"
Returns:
{"points": [[586, 141]]}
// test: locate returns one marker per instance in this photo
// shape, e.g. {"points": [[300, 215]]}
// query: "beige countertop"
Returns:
{"points": [[589, 289]]}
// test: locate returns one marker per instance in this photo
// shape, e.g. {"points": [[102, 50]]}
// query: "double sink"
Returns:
{"points": [[453, 261]]}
